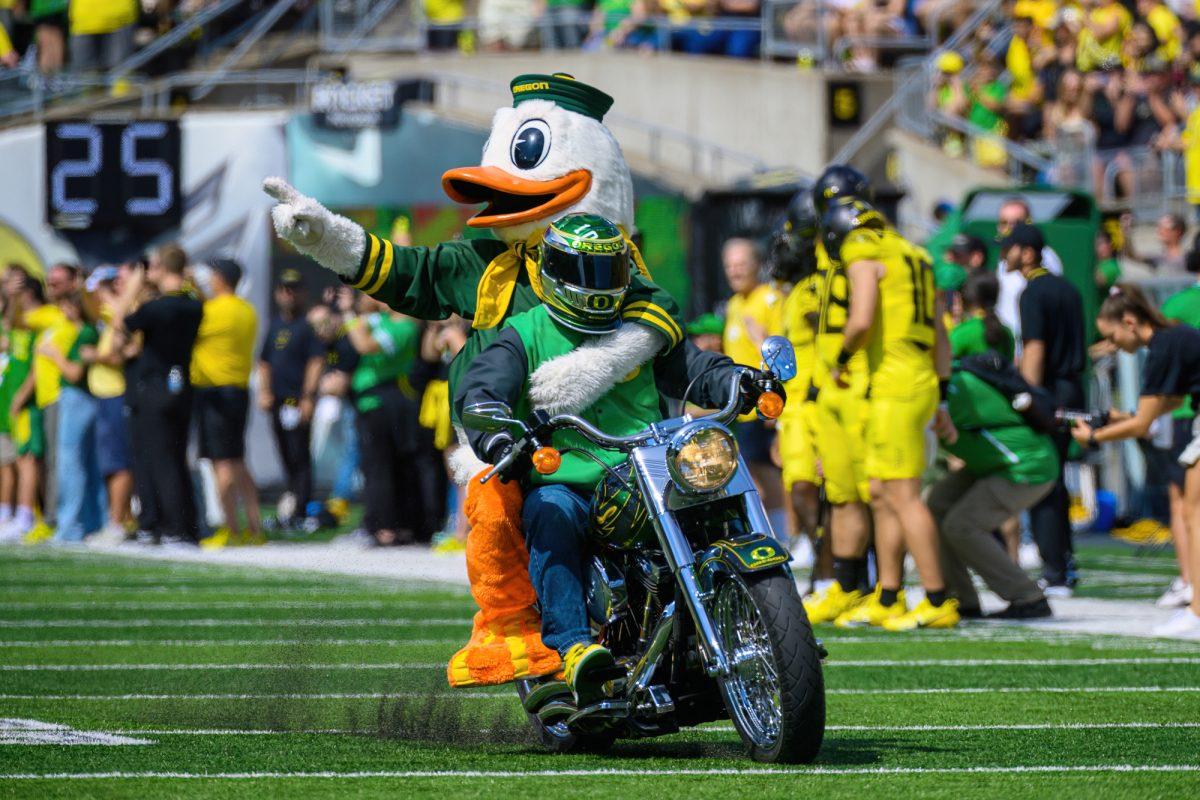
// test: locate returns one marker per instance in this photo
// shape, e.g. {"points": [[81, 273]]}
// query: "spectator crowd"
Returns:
{"points": [[126, 393], [97, 35], [1105, 86]]}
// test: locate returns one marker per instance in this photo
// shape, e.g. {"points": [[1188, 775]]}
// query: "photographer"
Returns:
{"points": [[1128, 320], [1008, 467]]}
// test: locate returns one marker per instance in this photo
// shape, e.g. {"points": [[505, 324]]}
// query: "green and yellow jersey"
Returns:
{"points": [[437, 282]]}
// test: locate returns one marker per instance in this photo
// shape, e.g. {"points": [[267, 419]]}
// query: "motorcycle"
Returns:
{"points": [[687, 585]]}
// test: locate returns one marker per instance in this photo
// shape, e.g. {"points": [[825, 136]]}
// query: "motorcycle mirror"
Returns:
{"points": [[779, 357], [491, 417]]}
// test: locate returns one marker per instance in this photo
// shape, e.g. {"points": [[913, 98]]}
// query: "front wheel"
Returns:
{"points": [[775, 692]]}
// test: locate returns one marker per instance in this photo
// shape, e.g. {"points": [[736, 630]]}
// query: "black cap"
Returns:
{"points": [[964, 244], [1023, 235], [229, 270], [291, 279]]}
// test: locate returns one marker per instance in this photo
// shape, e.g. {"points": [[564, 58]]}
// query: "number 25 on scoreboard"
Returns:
{"points": [[106, 175]]}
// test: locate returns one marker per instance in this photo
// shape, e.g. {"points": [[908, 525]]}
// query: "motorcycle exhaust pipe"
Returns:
{"points": [[643, 671]]}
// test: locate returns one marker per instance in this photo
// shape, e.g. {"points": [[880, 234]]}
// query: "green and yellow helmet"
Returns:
{"points": [[583, 265]]}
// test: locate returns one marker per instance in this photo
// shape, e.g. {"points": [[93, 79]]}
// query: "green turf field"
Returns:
{"points": [[247, 683]]}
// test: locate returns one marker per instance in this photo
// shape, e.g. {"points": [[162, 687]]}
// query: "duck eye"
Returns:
{"points": [[531, 144]]}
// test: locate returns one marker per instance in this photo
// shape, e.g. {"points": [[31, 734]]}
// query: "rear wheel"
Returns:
{"points": [[775, 693], [555, 736]]}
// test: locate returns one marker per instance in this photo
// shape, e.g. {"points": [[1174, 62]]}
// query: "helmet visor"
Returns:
{"points": [[605, 272]]}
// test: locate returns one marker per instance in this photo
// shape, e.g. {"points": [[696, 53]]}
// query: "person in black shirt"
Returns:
{"points": [[159, 391], [1052, 356], [1130, 321], [289, 372]]}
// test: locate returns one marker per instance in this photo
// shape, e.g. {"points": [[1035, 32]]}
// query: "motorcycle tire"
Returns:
{"points": [[557, 739], [797, 664]]}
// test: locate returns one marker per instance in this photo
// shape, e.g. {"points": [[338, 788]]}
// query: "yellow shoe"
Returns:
{"points": [[448, 546], [926, 615], [831, 603], [221, 538], [585, 669], [872, 612], [253, 539], [38, 534], [339, 508]]}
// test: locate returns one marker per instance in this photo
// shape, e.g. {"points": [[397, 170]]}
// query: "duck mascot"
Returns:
{"points": [[547, 156]]}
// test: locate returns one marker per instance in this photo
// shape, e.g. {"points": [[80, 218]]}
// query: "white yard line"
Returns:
{"points": [[34, 643], [1047, 726], [610, 773], [400, 665], [171, 605], [509, 694], [389, 622]]}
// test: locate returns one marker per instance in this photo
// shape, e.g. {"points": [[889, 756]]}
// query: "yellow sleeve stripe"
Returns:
{"points": [[368, 274], [389, 254], [654, 315]]}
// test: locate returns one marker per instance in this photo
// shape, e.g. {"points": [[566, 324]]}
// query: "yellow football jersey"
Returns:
{"points": [[800, 310], [903, 335], [762, 307], [834, 290]]}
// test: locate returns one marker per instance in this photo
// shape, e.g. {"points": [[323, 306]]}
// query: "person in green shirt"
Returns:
{"points": [[386, 343], [1008, 467], [585, 268], [78, 468], [1108, 267], [25, 418], [981, 330]]}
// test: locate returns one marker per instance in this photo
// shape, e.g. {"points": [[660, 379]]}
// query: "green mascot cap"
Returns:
{"points": [[562, 90]]}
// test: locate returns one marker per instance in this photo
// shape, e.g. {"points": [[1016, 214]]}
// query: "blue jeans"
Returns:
{"points": [[346, 480], [555, 519], [80, 488]]}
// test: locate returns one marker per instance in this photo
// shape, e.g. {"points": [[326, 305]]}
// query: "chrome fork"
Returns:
{"points": [[682, 562]]}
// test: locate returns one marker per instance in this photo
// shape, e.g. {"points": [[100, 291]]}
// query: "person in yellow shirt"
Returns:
{"points": [[1166, 27], [1025, 92], [221, 363], [1105, 27], [8, 56], [839, 413], [794, 262], [101, 33], [754, 312], [1187, 141], [894, 316]]}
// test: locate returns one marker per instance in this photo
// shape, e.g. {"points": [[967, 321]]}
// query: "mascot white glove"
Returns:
{"points": [[333, 241]]}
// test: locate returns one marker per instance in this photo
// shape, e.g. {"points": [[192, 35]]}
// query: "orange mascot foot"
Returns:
{"points": [[506, 640]]}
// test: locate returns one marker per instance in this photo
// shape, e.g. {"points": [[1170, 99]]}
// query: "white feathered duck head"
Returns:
{"points": [[547, 156]]}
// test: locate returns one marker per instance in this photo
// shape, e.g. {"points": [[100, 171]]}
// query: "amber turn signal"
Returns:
{"points": [[547, 460], [770, 405]]}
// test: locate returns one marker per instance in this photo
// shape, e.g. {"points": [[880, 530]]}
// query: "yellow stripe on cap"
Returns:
{"points": [[650, 312], [369, 271], [385, 269]]}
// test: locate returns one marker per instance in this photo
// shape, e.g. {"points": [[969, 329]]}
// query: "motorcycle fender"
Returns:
{"points": [[751, 553]]}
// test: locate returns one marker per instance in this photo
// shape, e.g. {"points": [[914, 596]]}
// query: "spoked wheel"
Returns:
{"points": [[553, 733], [775, 693]]}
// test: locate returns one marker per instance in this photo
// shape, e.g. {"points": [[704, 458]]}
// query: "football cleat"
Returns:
{"points": [[926, 615], [872, 612], [830, 604]]}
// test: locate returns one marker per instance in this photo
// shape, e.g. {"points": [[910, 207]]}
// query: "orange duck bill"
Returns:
{"points": [[512, 200]]}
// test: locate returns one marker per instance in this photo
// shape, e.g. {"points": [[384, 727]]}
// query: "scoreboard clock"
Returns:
{"points": [[113, 175]]}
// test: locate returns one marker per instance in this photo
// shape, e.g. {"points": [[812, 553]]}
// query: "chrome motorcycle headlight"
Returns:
{"points": [[702, 457]]}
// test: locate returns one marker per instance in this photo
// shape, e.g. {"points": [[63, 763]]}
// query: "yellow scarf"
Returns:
{"points": [[495, 290]]}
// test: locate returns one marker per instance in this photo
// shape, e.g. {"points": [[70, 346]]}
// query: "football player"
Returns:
{"points": [[894, 319]]}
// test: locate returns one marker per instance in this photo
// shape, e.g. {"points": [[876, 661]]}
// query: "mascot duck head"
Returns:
{"points": [[547, 156]]}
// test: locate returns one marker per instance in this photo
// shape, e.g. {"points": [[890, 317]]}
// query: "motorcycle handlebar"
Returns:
{"points": [[725, 416]]}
